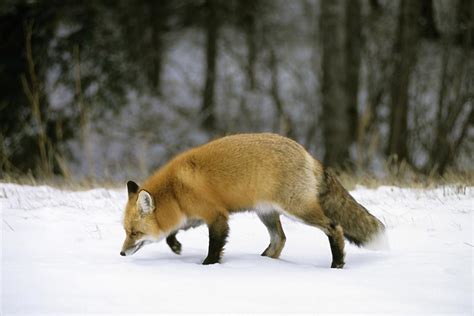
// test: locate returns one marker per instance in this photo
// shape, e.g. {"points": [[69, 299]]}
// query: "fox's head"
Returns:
{"points": [[140, 223]]}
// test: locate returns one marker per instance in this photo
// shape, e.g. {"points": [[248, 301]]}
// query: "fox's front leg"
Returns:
{"points": [[174, 244], [218, 231]]}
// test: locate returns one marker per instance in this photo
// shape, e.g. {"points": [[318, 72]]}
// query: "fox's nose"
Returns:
{"points": [[122, 253]]}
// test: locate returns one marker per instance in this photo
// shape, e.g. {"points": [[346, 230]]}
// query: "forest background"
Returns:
{"points": [[110, 90]]}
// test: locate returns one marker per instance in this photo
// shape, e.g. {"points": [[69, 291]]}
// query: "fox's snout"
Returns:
{"points": [[130, 247]]}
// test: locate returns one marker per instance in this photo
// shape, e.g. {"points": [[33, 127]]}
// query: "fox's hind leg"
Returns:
{"points": [[316, 217], [174, 244], [336, 241], [277, 237]]}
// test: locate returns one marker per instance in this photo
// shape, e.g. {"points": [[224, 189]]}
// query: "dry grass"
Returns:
{"points": [[405, 178], [63, 183]]}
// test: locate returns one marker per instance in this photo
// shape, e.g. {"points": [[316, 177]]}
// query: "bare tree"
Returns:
{"points": [[84, 122], [465, 17], [404, 61], [455, 108], [247, 11], [429, 29], [335, 115], [31, 87], [157, 22], [212, 33], [284, 125], [145, 26], [353, 57]]}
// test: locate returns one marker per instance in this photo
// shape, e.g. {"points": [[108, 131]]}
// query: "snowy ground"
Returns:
{"points": [[60, 254]]}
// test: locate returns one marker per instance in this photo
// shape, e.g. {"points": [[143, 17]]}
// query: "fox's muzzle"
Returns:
{"points": [[131, 250]]}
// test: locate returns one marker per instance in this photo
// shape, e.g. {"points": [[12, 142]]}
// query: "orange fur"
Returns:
{"points": [[234, 173]]}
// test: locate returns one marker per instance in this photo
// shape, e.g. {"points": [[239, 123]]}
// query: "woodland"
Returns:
{"points": [[113, 89]]}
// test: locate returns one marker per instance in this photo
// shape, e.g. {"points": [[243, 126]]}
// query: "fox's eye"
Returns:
{"points": [[134, 234]]}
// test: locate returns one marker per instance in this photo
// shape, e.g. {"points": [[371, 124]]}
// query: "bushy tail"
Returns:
{"points": [[359, 226]]}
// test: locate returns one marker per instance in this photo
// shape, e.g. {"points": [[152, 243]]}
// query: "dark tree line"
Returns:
{"points": [[415, 23], [348, 79]]}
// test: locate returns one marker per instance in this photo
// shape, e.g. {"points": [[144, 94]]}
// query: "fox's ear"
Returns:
{"points": [[145, 203], [132, 187]]}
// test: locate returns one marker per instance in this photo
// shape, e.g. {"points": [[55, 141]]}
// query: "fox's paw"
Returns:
{"points": [[337, 265], [176, 248], [210, 260], [270, 253], [174, 244]]}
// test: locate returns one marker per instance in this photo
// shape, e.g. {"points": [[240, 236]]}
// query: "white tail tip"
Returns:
{"points": [[378, 242]]}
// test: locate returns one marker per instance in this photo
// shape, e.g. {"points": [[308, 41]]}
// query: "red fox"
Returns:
{"points": [[267, 173]]}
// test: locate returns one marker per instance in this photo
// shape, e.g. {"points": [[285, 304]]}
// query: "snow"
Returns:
{"points": [[60, 255]]}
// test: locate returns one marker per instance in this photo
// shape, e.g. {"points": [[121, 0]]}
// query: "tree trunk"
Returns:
{"points": [[284, 125], [157, 24], [212, 26], [248, 11], [335, 114], [84, 128], [465, 17], [32, 90], [428, 24], [353, 53], [454, 114], [251, 40], [374, 5], [404, 62]]}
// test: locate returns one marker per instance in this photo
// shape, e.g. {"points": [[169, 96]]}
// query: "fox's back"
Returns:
{"points": [[246, 169]]}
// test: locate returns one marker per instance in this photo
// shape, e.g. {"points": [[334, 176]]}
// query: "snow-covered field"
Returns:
{"points": [[60, 254]]}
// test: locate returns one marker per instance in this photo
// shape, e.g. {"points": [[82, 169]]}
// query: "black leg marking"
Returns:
{"points": [[336, 241], [218, 231], [334, 233], [174, 244]]}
